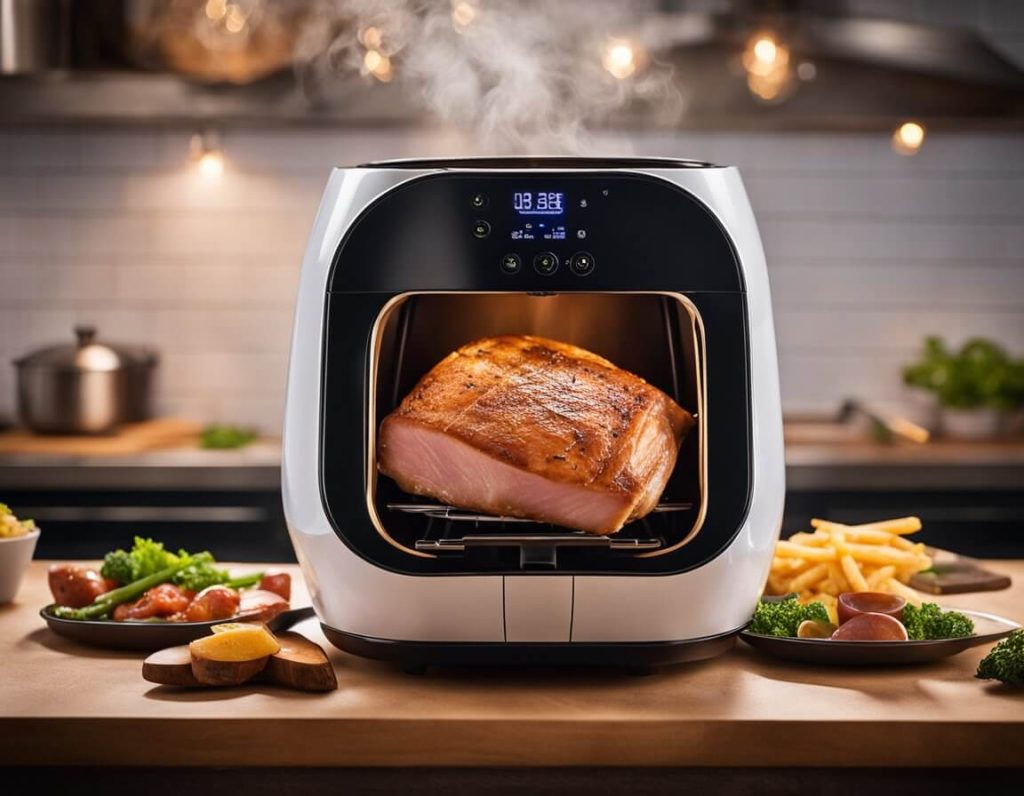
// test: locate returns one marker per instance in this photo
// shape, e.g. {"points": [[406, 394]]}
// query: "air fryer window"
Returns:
{"points": [[657, 336]]}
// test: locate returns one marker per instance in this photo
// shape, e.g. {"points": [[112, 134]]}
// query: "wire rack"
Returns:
{"points": [[450, 530]]}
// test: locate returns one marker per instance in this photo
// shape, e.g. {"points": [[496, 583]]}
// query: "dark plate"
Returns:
{"points": [[988, 630], [151, 635]]}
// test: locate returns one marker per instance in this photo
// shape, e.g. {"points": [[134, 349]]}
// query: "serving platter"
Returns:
{"points": [[989, 629], [151, 635]]}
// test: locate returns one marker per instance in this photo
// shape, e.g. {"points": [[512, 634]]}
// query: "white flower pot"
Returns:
{"points": [[977, 424]]}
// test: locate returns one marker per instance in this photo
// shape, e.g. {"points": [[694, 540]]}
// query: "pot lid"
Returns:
{"points": [[88, 355]]}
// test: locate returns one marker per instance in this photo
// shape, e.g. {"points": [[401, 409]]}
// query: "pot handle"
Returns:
{"points": [[86, 335]]}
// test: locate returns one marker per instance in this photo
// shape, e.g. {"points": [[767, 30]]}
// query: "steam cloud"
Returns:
{"points": [[520, 76]]}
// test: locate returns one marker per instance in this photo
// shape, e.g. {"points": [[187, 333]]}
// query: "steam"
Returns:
{"points": [[518, 76]]}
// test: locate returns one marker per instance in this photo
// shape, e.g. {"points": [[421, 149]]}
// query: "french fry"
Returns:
{"points": [[785, 549], [852, 572], [809, 578], [835, 572], [903, 591], [878, 578], [901, 543], [870, 536], [834, 558], [816, 539], [902, 525], [876, 554]]}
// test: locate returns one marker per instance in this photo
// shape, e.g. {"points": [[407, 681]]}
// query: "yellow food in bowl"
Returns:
{"points": [[11, 526]]}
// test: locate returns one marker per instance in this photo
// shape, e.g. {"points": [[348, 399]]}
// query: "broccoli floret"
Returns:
{"points": [[150, 557], [782, 617], [1005, 662], [201, 573], [118, 566], [145, 558], [931, 622]]}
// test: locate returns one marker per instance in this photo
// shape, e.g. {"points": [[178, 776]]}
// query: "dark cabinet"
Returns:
{"points": [[235, 525], [984, 524]]}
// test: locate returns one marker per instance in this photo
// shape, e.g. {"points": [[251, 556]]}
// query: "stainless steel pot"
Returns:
{"points": [[86, 388], [34, 36]]}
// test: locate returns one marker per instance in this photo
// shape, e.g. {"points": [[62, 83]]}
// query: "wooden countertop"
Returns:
{"points": [[61, 703]]}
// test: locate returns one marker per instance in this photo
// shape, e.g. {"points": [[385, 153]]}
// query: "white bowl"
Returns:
{"points": [[15, 555]]}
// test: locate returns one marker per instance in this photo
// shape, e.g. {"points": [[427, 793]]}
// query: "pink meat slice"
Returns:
{"points": [[527, 427]]}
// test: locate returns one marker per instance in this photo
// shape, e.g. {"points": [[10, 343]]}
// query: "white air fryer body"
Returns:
{"points": [[357, 597]]}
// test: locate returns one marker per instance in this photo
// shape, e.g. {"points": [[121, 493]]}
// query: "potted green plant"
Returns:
{"points": [[976, 387]]}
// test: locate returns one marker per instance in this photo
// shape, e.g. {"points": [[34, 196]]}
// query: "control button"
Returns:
{"points": [[510, 263], [545, 263], [478, 200], [481, 229], [581, 263]]}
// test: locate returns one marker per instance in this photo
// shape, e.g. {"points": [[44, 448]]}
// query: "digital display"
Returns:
{"points": [[538, 203]]}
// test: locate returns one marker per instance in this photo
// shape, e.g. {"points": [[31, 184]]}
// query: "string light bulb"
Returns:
{"points": [[767, 63], [908, 138], [464, 13], [620, 59], [370, 37], [377, 64], [205, 152]]}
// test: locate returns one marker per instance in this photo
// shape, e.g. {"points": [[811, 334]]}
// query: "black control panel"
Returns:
{"points": [[541, 212], [536, 231]]}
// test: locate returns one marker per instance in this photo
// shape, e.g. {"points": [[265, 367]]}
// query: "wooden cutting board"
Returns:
{"points": [[149, 435], [952, 573]]}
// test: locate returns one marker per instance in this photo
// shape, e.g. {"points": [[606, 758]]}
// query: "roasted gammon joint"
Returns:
{"points": [[526, 427]]}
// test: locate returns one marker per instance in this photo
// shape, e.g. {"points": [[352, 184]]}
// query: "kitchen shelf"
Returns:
{"points": [[139, 99], [148, 99]]}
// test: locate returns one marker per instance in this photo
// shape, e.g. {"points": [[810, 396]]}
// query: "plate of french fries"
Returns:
{"points": [[833, 559]]}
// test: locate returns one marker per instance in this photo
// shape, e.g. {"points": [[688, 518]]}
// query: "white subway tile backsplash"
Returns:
{"points": [[925, 197], [138, 282], [240, 283], [820, 382], [868, 251], [867, 329], [895, 284], [888, 238]]}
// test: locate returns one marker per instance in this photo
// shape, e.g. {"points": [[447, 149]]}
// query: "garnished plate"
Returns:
{"points": [[151, 635], [989, 629]]}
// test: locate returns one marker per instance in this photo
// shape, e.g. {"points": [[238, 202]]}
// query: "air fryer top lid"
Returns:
{"points": [[562, 163], [87, 355]]}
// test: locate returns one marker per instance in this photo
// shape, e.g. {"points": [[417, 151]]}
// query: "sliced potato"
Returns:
{"points": [[227, 627], [232, 655], [172, 666], [236, 641], [210, 672]]}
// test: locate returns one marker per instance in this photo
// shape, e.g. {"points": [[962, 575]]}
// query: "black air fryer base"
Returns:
{"points": [[638, 657]]}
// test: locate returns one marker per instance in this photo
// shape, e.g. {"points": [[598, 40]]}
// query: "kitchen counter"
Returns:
{"points": [[935, 466], [810, 465], [65, 704], [255, 467]]}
